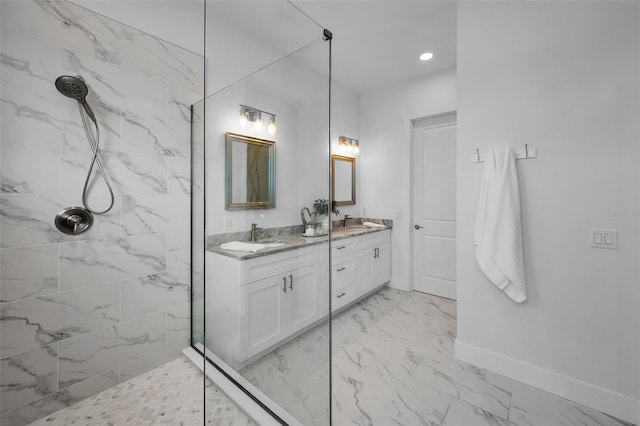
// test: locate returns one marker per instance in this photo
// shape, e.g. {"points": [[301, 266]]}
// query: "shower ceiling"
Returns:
{"points": [[179, 21]]}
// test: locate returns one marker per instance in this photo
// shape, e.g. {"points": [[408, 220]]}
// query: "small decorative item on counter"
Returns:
{"points": [[310, 231], [313, 218], [321, 206]]}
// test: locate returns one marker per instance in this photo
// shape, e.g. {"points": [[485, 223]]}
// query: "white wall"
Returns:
{"points": [[563, 77], [386, 159]]}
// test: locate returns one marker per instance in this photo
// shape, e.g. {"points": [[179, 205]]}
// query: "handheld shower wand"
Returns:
{"points": [[75, 220], [74, 87]]}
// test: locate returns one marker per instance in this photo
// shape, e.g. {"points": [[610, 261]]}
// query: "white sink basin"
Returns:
{"points": [[271, 243], [351, 229]]}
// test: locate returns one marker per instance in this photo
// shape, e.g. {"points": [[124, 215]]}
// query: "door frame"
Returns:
{"points": [[409, 122]]}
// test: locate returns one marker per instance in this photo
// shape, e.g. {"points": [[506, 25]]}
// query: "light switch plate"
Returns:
{"points": [[603, 238]]}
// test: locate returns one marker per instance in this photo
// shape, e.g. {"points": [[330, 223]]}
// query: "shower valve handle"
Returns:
{"points": [[75, 221]]}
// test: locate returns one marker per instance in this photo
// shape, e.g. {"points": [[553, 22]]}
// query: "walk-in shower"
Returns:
{"points": [[107, 299], [76, 220]]}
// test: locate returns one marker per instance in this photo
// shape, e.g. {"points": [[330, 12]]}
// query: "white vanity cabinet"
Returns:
{"points": [[256, 304], [253, 304], [359, 265], [274, 308]]}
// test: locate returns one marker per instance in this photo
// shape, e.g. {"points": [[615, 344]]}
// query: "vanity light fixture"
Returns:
{"points": [[254, 116], [348, 144], [426, 56]]}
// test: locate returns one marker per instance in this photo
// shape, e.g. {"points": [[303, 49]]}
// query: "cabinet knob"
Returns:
{"points": [[290, 282], [341, 247], [341, 294], [284, 286], [341, 269], [417, 227]]}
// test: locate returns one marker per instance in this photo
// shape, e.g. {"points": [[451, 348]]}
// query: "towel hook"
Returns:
{"points": [[520, 154]]}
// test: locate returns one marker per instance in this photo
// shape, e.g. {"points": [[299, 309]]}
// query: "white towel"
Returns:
{"points": [[373, 225], [498, 233], [240, 246]]}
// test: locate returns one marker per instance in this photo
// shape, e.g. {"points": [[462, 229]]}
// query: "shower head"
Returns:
{"points": [[74, 87]]}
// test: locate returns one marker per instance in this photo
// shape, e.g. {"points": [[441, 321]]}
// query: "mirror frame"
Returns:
{"points": [[229, 204], [351, 160]]}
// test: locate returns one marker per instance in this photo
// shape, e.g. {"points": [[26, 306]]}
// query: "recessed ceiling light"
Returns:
{"points": [[426, 56]]}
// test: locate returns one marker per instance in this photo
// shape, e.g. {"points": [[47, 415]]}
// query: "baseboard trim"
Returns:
{"points": [[598, 398]]}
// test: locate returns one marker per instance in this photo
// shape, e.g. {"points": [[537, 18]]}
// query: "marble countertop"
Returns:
{"points": [[295, 241]]}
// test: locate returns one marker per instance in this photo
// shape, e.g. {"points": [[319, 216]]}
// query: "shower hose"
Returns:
{"points": [[94, 143]]}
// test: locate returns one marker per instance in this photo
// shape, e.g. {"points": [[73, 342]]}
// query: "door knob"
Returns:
{"points": [[418, 227]]}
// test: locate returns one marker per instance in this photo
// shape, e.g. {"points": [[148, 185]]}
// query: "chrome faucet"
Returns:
{"points": [[254, 231], [346, 217]]}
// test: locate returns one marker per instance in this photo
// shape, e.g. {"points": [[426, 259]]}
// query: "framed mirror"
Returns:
{"points": [[343, 180], [250, 173]]}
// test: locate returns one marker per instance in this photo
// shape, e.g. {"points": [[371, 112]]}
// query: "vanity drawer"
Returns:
{"points": [[270, 265], [343, 273], [343, 247], [340, 298], [374, 239]]}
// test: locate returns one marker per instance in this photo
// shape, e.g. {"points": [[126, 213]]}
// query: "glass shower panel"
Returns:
{"points": [[197, 246], [266, 285]]}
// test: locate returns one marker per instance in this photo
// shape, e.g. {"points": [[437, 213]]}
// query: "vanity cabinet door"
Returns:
{"points": [[382, 265], [364, 271], [373, 268], [304, 293], [263, 315]]}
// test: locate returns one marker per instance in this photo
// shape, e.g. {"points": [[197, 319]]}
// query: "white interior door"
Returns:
{"points": [[434, 201]]}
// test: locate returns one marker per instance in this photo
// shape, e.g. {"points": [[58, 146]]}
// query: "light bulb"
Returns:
{"points": [[272, 126], [243, 118], [356, 148], [426, 56], [258, 123]]}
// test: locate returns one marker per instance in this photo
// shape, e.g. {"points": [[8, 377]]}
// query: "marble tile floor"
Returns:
{"points": [[392, 364], [169, 395]]}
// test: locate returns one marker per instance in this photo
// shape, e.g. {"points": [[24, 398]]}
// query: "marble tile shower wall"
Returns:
{"points": [[82, 313]]}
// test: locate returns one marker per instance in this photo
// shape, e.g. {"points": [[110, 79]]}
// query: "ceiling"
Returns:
{"points": [[377, 43]]}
